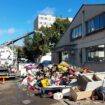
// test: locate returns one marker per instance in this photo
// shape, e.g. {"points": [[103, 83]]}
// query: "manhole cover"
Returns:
{"points": [[26, 102]]}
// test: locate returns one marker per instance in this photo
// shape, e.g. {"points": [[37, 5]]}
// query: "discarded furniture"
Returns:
{"points": [[76, 93], [89, 81]]}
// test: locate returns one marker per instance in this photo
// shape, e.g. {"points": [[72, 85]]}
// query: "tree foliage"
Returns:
{"points": [[20, 51], [55, 32], [38, 44]]}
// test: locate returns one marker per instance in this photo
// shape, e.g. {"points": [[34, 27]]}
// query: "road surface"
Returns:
{"points": [[12, 94]]}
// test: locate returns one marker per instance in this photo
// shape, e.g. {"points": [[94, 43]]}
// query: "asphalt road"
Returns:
{"points": [[12, 94]]}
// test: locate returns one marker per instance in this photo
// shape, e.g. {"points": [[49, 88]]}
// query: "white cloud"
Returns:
{"points": [[47, 10], [69, 10], [11, 31], [7, 31]]}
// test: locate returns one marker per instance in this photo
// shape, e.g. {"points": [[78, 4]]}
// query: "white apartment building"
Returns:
{"points": [[44, 20]]}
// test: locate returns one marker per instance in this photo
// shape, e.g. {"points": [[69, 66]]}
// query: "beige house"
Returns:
{"points": [[84, 41]]}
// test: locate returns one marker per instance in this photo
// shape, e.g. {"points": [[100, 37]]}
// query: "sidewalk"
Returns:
{"points": [[81, 102]]}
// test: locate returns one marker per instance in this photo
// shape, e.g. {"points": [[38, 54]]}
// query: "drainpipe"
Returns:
{"points": [[83, 36], [83, 24]]}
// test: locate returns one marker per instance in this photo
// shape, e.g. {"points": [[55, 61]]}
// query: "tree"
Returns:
{"points": [[40, 45], [55, 32], [20, 50], [28, 48], [35, 46]]}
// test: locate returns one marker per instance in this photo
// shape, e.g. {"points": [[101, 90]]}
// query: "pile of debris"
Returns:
{"points": [[64, 80]]}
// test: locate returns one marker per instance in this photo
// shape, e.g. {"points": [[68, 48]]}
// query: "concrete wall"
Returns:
{"points": [[93, 10], [65, 40], [89, 12], [96, 66]]}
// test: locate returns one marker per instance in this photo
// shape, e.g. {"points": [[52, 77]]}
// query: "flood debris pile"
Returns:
{"points": [[64, 80]]}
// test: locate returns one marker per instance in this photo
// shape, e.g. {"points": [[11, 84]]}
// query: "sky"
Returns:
{"points": [[17, 16]]}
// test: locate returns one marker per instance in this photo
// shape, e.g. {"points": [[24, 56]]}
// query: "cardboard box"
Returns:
{"points": [[77, 93], [89, 81]]}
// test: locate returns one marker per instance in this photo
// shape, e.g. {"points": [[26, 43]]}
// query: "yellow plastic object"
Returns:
{"points": [[63, 63], [62, 67], [44, 82], [4, 77], [65, 68]]}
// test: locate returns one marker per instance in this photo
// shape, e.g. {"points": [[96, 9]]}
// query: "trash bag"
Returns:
{"points": [[101, 92]]}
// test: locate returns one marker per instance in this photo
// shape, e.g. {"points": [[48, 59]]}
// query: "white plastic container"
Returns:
{"points": [[57, 96], [66, 92]]}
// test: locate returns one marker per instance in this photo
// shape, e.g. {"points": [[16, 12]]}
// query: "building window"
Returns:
{"points": [[90, 26], [76, 32], [65, 56], [45, 23], [41, 17], [102, 21], [96, 23], [40, 22], [45, 18], [96, 53]]}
